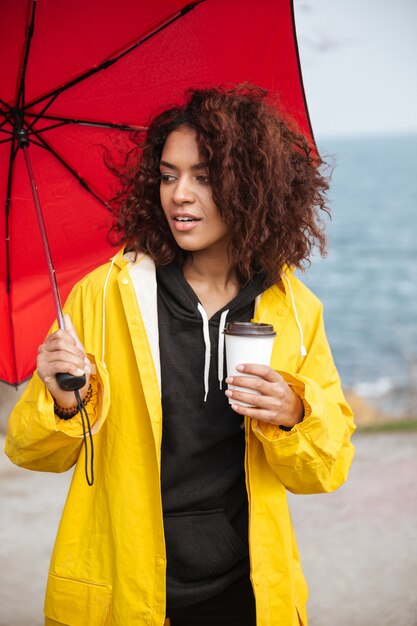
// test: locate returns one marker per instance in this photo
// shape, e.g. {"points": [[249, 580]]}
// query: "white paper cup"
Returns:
{"points": [[247, 342]]}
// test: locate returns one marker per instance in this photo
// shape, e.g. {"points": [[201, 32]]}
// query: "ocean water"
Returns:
{"points": [[368, 281]]}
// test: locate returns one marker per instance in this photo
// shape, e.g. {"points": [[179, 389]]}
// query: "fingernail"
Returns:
{"points": [[79, 372], [229, 380], [229, 393], [86, 361], [234, 407], [240, 368]]}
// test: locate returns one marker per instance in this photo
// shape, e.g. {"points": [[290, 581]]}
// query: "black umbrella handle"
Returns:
{"points": [[68, 382]]}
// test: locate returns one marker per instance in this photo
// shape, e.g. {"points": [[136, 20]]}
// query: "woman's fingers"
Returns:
{"points": [[57, 358], [263, 371], [254, 399], [62, 352], [61, 341], [59, 353], [274, 401], [65, 345], [260, 385], [253, 412]]}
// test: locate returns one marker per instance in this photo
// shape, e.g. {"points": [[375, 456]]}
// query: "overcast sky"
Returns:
{"points": [[359, 62]]}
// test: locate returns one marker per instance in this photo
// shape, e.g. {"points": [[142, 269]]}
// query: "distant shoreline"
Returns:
{"points": [[368, 414]]}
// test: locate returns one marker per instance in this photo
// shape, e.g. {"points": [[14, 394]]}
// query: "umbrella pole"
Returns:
{"points": [[45, 243], [66, 381]]}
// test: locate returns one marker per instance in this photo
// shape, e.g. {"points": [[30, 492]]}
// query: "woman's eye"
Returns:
{"points": [[167, 178], [203, 179]]}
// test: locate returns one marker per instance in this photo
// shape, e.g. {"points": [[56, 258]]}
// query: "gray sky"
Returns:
{"points": [[359, 60]]}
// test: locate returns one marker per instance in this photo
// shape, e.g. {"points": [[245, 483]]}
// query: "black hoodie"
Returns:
{"points": [[203, 445]]}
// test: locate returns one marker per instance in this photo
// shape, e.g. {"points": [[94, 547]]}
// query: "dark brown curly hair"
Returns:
{"points": [[265, 178]]}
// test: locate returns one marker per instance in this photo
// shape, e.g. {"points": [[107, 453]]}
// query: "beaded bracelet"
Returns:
{"points": [[67, 414]]}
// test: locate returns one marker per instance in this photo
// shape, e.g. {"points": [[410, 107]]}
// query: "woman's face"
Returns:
{"points": [[186, 197]]}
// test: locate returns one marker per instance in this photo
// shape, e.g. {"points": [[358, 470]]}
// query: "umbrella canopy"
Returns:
{"points": [[94, 70]]}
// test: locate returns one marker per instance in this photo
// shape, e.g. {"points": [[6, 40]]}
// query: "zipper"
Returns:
{"points": [[247, 435]]}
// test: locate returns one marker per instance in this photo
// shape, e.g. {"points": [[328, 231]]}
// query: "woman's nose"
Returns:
{"points": [[183, 191]]}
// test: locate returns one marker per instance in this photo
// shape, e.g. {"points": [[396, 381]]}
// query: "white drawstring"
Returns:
{"points": [[207, 344], [303, 350], [103, 332], [220, 353]]}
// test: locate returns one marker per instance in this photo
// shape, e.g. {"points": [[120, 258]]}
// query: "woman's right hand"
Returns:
{"points": [[62, 351]]}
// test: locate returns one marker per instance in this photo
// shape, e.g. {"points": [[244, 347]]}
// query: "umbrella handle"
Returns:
{"points": [[69, 382]]}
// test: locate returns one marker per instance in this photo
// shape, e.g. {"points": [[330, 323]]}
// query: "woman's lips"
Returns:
{"points": [[185, 224]]}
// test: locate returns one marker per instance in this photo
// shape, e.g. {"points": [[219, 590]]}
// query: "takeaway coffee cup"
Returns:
{"points": [[247, 342]]}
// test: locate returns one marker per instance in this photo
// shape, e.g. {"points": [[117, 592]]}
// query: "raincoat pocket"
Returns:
{"points": [[202, 544], [73, 602]]}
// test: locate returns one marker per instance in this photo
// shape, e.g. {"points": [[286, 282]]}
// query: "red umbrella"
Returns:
{"points": [[76, 76]]}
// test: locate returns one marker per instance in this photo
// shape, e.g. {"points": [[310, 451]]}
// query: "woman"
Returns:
{"points": [[188, 518]]}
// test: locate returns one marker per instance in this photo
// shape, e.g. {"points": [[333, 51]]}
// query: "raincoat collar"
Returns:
{"points": [[123, 259]]}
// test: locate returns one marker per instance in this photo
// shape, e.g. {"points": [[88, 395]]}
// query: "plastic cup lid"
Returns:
{"points": [[249, 329]]}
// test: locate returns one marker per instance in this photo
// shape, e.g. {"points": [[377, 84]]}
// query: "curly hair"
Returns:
{"points": [[265, 180]]}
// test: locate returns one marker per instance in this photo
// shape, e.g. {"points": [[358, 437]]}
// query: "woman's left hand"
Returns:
{"points": [[276, 403]]}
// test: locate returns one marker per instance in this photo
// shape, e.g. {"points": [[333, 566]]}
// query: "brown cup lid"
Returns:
{"points": [[249, 329]]}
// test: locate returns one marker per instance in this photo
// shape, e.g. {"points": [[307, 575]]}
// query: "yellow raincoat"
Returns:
{"points": [[108, 564]]}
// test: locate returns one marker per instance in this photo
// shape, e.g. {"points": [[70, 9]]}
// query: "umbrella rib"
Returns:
{"points": [[81, 122], [7, 118], [83, 183], [45, 128], [45, 108], [6, 114], [13, 151], [6, 132], [108, 62], [30, 31], [37, 143], [5, 104]]}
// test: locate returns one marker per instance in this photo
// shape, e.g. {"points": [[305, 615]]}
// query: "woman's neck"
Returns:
{"points": [[213, 280], [211, 270]]}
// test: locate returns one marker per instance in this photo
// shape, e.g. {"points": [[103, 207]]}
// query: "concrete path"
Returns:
{"points": [[358, 545]]}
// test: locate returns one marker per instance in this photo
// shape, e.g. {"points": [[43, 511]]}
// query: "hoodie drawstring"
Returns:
{"points": [[207, 343], [207, 356], [220, 353]]}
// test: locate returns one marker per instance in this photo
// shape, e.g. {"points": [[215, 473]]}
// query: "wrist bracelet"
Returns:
{"points": [[67, 414]]}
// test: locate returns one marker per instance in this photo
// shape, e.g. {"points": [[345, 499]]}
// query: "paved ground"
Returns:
{"points": [[358, 545]]}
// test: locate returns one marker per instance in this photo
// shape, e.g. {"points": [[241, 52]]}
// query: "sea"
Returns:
{"points": [[368, 281]]}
